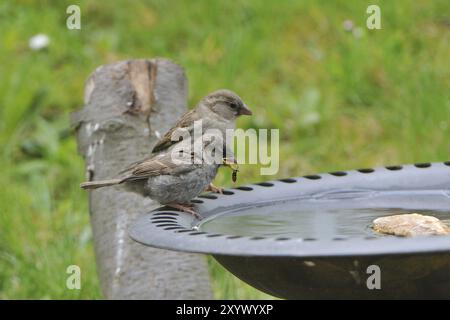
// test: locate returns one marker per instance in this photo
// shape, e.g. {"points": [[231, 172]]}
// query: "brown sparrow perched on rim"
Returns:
{"points": [[172, 181]]}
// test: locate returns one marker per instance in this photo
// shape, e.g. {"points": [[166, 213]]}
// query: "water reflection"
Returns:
{"points": [[323, 223]]}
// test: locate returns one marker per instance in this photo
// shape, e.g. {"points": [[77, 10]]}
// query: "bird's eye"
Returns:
{"points": [[233, 105]]}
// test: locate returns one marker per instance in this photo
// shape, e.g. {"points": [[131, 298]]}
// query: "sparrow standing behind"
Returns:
{"points": [[218, 110]]}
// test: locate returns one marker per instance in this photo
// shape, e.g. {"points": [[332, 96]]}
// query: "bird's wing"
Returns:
{"points": [[186, 121], [159, 165]]}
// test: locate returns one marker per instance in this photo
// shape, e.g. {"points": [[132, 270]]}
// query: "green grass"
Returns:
{"points": [[339, 101]]}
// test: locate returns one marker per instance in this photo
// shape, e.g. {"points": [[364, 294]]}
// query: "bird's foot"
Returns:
{"points": [[185, 207], [214, 189]]}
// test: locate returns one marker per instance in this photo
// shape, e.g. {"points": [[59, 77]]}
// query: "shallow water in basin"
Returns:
{"points": [[306, 223]]}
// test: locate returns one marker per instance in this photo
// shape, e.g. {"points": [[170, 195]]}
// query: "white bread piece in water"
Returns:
{"points": [[410, 225]]}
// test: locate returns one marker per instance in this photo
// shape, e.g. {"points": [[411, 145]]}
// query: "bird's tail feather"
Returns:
{"points": [[100, 184]]}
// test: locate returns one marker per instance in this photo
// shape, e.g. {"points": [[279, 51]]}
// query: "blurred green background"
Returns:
{"points": [[343, 98]]}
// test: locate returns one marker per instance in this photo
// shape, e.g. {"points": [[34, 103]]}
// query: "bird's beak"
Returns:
{"points": [[245, 111]]}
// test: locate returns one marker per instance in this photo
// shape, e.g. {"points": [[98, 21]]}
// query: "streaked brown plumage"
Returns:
{"points": [[160, 164]]}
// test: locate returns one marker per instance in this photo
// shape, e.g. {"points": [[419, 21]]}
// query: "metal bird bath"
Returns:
{"points": [[322, 245]]}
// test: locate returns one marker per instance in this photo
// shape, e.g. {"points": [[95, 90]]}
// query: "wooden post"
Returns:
{"points": [[128, 105]]}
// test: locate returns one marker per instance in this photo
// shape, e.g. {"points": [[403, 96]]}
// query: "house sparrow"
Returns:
{"points": [[168, 180], [218, 110]]}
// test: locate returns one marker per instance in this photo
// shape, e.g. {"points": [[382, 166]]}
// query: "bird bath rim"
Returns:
{"points": [[170, 229]]}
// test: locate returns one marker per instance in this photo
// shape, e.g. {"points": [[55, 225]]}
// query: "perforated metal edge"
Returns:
{"points": [[169, 229]]}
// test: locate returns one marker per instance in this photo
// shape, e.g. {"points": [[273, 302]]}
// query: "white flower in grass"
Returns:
{"points": [[39, 42]]}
